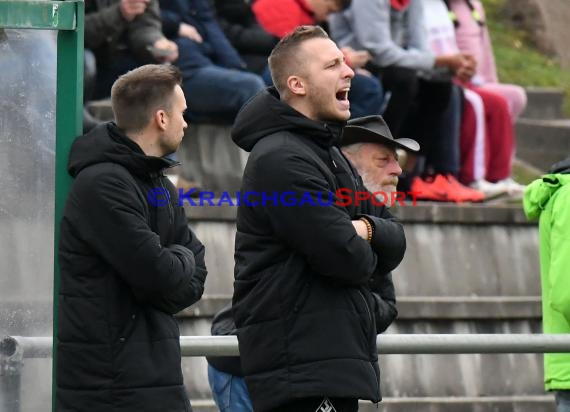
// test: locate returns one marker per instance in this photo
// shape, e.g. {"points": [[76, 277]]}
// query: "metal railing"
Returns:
{"points": [[41, 347]]}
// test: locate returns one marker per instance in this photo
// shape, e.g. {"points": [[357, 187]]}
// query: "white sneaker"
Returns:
{"points": [[514, 189], [491, 190]]}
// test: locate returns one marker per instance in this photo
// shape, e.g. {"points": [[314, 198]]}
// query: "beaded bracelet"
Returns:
{"points": [[369, 229]]}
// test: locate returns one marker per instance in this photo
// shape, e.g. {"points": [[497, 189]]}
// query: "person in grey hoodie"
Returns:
{"points": [[393, 33], [423, 101]]}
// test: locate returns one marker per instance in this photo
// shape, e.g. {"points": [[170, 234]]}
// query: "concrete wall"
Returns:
{"points": [[468, 269]]}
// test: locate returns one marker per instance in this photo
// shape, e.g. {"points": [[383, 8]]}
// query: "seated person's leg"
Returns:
{"points": [[438, 128], [403, 87], [515, 95], [500, 135], [444, 151], [229, 392], [473, 160], [109, 71], [215, 93], [365, 96], [266, 76]]}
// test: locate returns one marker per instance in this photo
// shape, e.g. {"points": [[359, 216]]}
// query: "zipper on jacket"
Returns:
{"points": [[365, 304], [170, 211], [373, 329]]}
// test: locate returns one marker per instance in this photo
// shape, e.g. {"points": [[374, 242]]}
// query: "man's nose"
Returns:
{"points": [[348, 72], [395, 167]]}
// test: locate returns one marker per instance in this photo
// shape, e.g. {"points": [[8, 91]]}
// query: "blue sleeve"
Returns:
{"points": [[225, 54]]}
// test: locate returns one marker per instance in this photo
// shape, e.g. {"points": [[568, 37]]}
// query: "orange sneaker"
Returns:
{"points": [[431, 188], [464, 193]]}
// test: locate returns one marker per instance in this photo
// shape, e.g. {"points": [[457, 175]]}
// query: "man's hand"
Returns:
{"points": [[467, 71], [189, 31], [356, 58], [461, 64], [164, 50], [132, 8], [361, 229]]}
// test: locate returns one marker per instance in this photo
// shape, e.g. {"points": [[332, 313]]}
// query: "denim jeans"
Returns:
{"points": [[216, 93], [366, 96], [230, 392], [108, 72], [562, 401]]}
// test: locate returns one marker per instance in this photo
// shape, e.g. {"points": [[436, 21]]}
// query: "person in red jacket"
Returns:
{"points": [[281, 17]]}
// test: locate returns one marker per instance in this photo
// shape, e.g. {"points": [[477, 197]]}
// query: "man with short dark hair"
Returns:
{"points": [[128, 261], [305, 274]]}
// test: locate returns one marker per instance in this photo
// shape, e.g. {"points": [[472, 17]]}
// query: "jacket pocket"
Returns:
{"points": [[365, 314]]}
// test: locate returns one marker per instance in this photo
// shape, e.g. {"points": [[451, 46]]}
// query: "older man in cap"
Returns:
{"points": [[369, 145]]}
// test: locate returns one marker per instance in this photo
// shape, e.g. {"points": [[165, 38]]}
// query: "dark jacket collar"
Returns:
{"points": [[108, 143], [266, 114]]}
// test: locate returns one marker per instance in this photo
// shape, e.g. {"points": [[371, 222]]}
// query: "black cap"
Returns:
{"points": [[373, 129]]}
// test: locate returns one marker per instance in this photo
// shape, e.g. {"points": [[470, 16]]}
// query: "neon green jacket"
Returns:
{"points": [[548, 201]]}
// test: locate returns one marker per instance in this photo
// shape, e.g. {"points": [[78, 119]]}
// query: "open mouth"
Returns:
{"points": [[342, 95]]}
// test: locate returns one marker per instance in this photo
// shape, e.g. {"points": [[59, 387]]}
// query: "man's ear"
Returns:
{"points": [[160, 119], [296, 85]]}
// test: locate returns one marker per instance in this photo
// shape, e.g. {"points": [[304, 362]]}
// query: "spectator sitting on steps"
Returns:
{"points": [[124, 34], [216, 80]]}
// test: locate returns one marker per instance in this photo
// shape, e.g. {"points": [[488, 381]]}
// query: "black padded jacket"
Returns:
{"points": [[303, 296], [127, 266]]}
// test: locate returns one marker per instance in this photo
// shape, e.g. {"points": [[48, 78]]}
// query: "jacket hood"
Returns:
{"points": [[538, 193], [561, 167], [107, 143], [265, 114]]}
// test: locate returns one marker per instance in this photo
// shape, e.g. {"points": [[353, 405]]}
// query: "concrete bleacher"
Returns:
{"points": [[468, 269], [543, 134]]}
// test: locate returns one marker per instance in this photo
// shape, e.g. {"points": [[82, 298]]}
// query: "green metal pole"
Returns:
{"points": [[69, 125]]}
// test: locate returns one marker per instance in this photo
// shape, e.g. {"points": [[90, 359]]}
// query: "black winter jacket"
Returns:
{"points": [[303, 301], [126, 268]]}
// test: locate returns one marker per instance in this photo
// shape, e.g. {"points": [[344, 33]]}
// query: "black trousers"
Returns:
{"points": [[427, 110]]}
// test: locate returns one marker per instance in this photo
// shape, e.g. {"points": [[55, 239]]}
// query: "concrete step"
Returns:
{"points": [[523, 172], [449, 308], [530, 403], [543, 142], [449, 248], [543, 103]]}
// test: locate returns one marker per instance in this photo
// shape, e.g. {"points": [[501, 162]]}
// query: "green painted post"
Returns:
{"points": [[46, 15], [69, 125], [68, 18]]}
